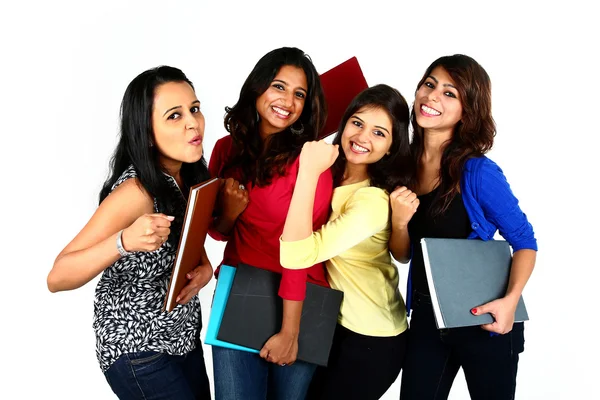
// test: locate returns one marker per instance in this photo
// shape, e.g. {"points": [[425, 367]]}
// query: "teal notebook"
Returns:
{"points": [[467, 273], [224, 283]]}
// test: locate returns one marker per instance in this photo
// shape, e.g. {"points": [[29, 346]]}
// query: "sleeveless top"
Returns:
{"points": [[129, 297]]}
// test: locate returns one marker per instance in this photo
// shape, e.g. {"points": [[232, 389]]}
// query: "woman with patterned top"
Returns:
{"points": [[132, 239], [281, 106], [462, 194], [372, 151]]}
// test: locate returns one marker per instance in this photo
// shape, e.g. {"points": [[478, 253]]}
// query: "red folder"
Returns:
{"points": [[340, 85]]}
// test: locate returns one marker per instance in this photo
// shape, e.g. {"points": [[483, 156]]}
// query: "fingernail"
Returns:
{"points": [[473, 310], [177, 300], [189, 275], [170, 218]]}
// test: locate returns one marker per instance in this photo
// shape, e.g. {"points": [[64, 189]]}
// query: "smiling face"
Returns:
{"points": [[367, 136], [437, 103], [282, 103], [178, 124]]}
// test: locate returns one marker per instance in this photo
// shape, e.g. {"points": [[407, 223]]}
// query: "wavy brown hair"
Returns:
{"points": [[257, 161], [473, 135]]}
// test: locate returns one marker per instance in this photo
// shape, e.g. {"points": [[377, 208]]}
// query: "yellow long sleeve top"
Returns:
{"points": [[355, 245]]}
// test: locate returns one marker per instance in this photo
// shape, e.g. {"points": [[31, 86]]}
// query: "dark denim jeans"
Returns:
{"points": [[434, 357], [149, 375], [241, 375]]}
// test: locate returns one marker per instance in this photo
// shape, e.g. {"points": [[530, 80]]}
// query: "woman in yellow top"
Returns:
{"points": [[369, 158]]}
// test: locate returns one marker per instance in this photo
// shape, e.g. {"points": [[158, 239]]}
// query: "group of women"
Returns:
{"points": [[330, 214]]}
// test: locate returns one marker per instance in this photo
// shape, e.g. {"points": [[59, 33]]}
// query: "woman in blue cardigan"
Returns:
{"points": [[459, 193]]}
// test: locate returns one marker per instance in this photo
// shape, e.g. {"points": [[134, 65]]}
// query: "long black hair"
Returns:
{"points": [[135, 146], [258, 161], [395, 168]]}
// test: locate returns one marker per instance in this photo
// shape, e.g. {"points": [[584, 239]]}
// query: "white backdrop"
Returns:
{"points": [[65, 66]]}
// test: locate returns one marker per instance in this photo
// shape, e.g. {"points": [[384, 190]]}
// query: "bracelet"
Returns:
{"points": [[120, 247]]}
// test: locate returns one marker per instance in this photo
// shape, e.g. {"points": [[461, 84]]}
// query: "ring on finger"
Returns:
{"points": [[242, 187]]}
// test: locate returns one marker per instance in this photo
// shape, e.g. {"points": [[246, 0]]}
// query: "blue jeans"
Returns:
{"points": [[241, 375], [149, 375]]}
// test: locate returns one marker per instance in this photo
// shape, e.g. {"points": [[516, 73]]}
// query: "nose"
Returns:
{"points": [[288, 99], [434, 96], [363, 137], [191, 122]]}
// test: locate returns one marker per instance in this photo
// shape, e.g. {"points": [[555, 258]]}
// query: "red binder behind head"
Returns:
{"points": [[340, 85]]}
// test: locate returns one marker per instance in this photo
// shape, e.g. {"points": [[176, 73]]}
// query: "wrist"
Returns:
{"points": [[120, 243]]}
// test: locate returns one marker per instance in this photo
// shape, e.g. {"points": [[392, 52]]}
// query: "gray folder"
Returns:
{"points": [[465, 273]]}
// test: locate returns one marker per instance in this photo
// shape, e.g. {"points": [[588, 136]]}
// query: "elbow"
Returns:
{"points": [[52, 282], [403, 259]]}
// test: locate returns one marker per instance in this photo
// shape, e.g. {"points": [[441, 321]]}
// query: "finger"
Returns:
{"points": [[162, 232], [493, 327], [397, 191], [160, 216], [264, 352], [483, 309], [160, 223]]}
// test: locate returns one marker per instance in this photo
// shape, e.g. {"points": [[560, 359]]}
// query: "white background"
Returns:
{"points": [[65, 66]]}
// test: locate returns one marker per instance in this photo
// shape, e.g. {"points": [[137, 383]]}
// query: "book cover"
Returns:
{"points": [[198, 215], [340, 85], [465, 273], [254, 311]]}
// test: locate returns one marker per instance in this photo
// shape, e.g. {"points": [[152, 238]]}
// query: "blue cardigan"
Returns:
{"points": [[491, 206]]}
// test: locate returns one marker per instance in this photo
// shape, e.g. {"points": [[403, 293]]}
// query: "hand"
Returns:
{"points": [[147, 233], [404, 204], [503, 311], [233, 199], [199, 278], [281, 349], [317, 157]]}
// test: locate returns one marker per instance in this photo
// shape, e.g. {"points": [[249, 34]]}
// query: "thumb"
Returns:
{"points": [[483, 309]]}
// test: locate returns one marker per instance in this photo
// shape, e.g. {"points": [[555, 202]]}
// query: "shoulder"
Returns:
{"points": [[128, 174], [128, 191], [223, 145], [374, 199]]}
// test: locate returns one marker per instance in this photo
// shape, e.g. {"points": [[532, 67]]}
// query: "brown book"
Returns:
{"points": [[340, 85], [198, 216]]}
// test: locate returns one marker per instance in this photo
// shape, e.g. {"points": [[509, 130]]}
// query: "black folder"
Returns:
{"points": [[254, 311]]}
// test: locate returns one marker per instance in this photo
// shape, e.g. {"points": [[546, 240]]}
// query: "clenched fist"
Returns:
{"points": [[147, 233]]}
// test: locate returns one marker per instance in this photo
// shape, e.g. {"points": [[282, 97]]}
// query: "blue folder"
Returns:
{"points": [[224, 283]]}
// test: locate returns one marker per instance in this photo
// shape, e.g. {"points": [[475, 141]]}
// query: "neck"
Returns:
{"points": [[354, 173], [434, 142], [173, 168]]}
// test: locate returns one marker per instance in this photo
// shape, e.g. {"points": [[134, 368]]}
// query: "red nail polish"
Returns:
{"points": [[474, 310]]}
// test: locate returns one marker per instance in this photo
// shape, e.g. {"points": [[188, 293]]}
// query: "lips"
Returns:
{"points": [[281, 112], [196, 141], [429, 111], [358, 149]]}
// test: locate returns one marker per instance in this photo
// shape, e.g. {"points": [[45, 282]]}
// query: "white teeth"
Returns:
{"points": [[430, 110], [281, 111], [361, 149]]}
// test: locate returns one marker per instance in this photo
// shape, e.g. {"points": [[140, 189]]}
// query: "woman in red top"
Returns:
{"points": [[281, 106]]}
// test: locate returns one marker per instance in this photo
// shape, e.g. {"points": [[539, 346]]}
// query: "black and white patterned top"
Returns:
{"points": [[128, 314]]}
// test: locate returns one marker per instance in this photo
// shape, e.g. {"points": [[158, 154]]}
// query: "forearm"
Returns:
{"points": [[299, 221], [75, 269], [400, 243], [224, 225], [521, 269], [292, 312]]}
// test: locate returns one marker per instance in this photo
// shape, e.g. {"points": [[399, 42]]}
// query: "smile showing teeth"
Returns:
{"points": [[359, 149], [281, 111], [429, 110]]}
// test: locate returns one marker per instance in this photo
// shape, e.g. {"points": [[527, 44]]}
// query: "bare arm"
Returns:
{"points": [[94, 248], [282, 348], [503, 309]]}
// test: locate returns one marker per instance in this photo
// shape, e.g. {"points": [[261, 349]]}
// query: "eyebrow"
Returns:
{"points": [[376, 126], [176, 107], [285, 83], [445, 84]]}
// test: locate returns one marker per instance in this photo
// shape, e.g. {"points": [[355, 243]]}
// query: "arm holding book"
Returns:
{"points": [[501, 207]]}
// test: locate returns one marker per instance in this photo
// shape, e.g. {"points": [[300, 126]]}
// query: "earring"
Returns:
{"points": [[297, 131], [257, 116]]}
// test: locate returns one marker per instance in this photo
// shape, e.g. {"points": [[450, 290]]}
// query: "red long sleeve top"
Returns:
{"points": [[254, 239]]}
